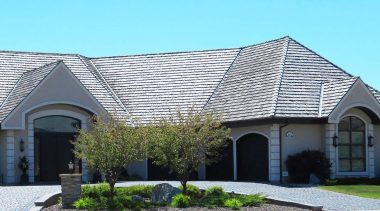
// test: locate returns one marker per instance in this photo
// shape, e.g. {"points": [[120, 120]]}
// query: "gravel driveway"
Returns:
{"points": [[23, 197]]}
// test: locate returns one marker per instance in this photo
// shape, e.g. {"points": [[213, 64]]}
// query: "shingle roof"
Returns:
{"points": [[332, 92], [24, 86], [14, 64], [276, 79]]}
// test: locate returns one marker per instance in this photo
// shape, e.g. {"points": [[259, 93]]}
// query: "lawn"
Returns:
{"points": [[367, 191]]}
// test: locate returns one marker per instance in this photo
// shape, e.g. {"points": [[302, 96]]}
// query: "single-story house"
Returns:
{"points": [[278, 97]]}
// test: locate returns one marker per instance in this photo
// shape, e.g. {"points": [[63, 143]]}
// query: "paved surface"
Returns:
{"points": [[310, 195], [23, 197], [20, 198]]}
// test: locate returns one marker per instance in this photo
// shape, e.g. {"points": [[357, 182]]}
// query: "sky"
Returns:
{"points": [[347, 32]]}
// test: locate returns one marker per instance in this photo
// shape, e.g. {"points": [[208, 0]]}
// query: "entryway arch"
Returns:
{"points": [[252, 154], [58, 116]]}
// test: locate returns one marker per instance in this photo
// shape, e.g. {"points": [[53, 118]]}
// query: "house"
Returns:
{"points": [[278, 97]]}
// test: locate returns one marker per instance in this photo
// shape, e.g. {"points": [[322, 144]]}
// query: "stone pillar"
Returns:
{"points": [[30, 152], [330, 150], [71, 189], [10, 159], [371, 153], [274, 146]]}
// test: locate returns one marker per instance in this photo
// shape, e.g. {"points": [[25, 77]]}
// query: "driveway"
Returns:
{"points": [[20, 198], [23, 197]]}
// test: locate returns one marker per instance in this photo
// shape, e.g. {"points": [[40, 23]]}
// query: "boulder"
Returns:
{"points": [[314, 180], [163, 193]]}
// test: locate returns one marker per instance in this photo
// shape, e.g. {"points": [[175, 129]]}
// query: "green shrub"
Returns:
{"points": [[234, 204], [331, 182], [96, 191], [215, 191], [251, 200], [140, 190], [181, 200], [193, 191], [301, 165], [85, 203]]}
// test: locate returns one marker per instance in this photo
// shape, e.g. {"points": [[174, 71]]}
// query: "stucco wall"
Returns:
{"points": [[60, 87], [240, 131], [306, 136]]}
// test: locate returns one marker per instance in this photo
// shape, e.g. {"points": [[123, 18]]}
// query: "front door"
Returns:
{"points": [[53, 146]]}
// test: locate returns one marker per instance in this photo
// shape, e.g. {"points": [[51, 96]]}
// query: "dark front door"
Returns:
{"points": [[53, 137], [252, 158], [223, 170], [56, 151]]}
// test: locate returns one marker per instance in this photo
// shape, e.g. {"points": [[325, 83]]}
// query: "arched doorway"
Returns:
{"points": [[223, 170], [252, 158], [52, 146]]}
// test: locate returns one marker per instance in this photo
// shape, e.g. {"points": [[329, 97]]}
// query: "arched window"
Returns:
{"points": [[351, 146]]}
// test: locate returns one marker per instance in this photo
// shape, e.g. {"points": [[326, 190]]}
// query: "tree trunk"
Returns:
{"points": [[184, 187]]}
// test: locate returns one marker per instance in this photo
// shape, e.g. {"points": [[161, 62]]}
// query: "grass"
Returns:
{"points": [[366, 191]]}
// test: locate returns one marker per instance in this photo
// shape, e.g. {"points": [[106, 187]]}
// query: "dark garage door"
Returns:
{"points": [[252, 158], [223, 170]]}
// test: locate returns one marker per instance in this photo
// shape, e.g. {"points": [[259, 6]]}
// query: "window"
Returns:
{"points": [[351, 146]]}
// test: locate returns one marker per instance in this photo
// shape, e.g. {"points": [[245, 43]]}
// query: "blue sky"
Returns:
{"points": [[345, 32]]}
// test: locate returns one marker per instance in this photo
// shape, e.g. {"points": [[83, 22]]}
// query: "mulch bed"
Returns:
{"points": [[265, 207]]}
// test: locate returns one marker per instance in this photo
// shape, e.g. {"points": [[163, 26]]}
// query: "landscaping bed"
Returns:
{"points": [[138, 197]]}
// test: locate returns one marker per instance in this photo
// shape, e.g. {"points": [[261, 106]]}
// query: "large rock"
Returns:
{"points": [[164, 193]]}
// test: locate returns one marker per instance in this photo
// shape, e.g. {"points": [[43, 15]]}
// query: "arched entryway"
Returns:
{"points": [[223, 170], [252, 158], [53, 148]]}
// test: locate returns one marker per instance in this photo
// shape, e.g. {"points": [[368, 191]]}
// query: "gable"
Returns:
{"points": [[358, 96], [60, 86]]}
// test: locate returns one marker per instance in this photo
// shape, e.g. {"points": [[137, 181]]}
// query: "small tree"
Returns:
{"points": [[185, 141], [109, 146]]}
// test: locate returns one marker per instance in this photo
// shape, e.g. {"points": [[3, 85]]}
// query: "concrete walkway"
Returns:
{"points": [[23, 197]]}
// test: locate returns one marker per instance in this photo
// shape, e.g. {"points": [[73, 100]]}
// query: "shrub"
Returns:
{"points": [[181, 200], [193, 191], [331, 182], [215, 191], [96, 191], [251, 200], [358, 181], [140, 190], [234, 204], [85, 203], [301, 165]]}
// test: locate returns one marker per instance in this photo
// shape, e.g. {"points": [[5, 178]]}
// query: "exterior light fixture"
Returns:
{"points": [[370, 141], [71, 167], [335, 141], [22, 147]]}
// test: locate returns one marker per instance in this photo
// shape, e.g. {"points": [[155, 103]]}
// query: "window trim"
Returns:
{"points": [[353, 173]]}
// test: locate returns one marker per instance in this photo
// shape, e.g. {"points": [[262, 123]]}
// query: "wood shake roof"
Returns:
{"points": [[276, 79]]}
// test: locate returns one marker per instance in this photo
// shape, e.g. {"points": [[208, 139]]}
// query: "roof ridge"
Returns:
{"points": [[38, 53], [190, 51], [22, 75], [321, 99], [221, 81], [340, 79], [341, 69], [282, 67], [108, 87]]}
